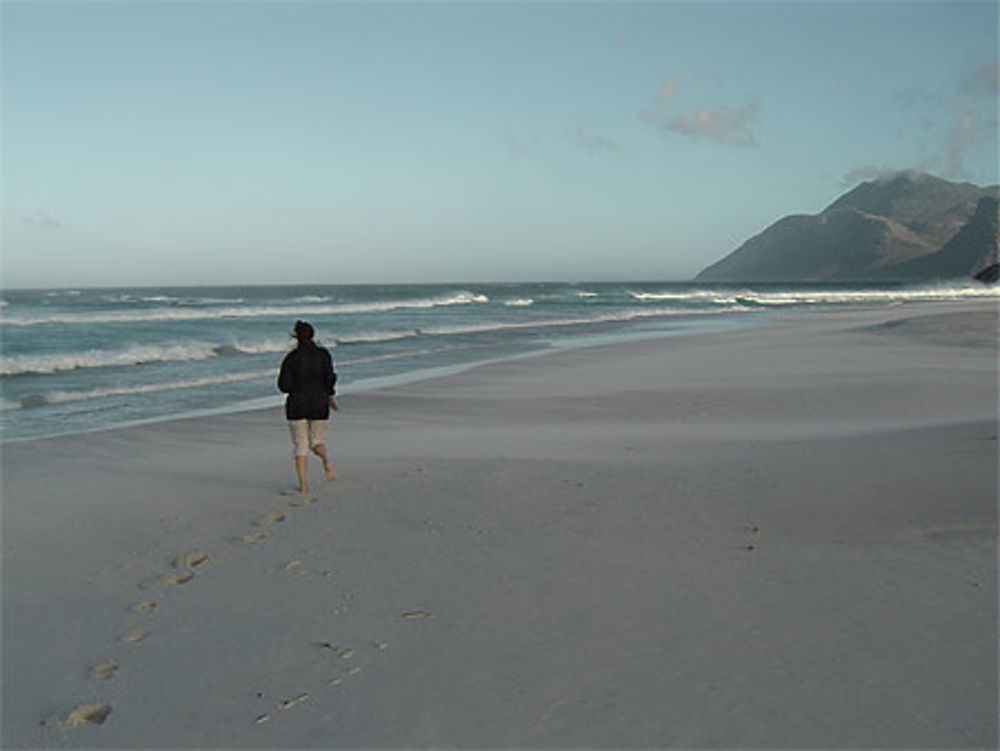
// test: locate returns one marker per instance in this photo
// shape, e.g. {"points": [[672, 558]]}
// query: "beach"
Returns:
{"points": [[780, 536]]}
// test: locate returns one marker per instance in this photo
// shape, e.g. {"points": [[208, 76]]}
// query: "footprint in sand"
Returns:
{"points": [[355, 670], [190, 560], [134, 637], [753, 529], [302, 501], [948, 529], [413, 615], [83, 714], [337, 682], [344, 653], [252, 537], [144, 607], [289, 703], [272, 518], [104, 670], [165, 580]]}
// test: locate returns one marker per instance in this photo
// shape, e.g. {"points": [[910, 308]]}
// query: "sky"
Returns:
{"points": [[167, 143]]}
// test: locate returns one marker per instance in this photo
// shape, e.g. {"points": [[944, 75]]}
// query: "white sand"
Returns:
{"points": [[778, 537]]}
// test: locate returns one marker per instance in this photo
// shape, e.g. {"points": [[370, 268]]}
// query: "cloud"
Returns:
{"points": [[668, 91], [983, 79], [730, 126], [970, 125], [724, 126], [592, 142], [917, 98], [971, 118], [518, 147], [866, 172], [959, 121], [41, 220]]}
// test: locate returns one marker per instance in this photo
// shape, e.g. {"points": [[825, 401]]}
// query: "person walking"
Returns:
{"points": [[308, 377]]}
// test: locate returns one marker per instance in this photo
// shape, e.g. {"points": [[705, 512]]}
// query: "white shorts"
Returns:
{"points": [[307, 434]]}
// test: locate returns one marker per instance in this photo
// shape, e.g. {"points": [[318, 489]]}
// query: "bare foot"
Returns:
{"points": [[330, 474]]}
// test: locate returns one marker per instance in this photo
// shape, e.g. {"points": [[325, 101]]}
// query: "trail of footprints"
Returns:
{"points": [[349, 671], [185, 569]]}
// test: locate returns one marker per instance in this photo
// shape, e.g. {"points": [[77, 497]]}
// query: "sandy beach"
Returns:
{"points": [[781, 536]]}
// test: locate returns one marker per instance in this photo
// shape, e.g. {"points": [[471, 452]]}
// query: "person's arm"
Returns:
{"points": [[331, 383], [286, 378]]}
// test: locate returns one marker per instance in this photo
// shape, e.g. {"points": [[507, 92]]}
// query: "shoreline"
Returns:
{"points": [[783, 536], [637, 331], [683, 325]]}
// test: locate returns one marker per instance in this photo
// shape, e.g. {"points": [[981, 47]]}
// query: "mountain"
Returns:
{"points": [[971, 250], [908, 226], [989, 275]]}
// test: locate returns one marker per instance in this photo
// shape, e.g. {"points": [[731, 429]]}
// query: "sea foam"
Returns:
{"points": [[260, 311], [14, 365], [63, 397]]}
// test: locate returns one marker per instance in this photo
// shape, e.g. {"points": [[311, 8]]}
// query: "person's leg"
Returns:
{"points": [[300, 471], [320, 450], [300, 448], [317, 441]]}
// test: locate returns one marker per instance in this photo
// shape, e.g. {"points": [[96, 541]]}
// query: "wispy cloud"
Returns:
{"points": [[916, 98], [970, 125], [983, 79], [671, 84], [958, 121], [865, 172], [41, 220], [668, 91], [518, 147], [592, 143], [728, 126], [971, 118], [723, 125]]}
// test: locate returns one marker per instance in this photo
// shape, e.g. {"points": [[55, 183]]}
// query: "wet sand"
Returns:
{"points": [[777, 537]]}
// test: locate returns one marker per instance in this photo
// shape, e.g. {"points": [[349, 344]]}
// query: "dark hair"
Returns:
{"points": [[303, 331]]}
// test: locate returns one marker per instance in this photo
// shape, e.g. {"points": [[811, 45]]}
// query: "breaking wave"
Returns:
{"points": [[13, 365], [62, 397], [376, 337], [805, 296], [262, 311]]}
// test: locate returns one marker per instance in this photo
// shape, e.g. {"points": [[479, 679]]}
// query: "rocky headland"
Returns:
{"points": [[908, 227]]}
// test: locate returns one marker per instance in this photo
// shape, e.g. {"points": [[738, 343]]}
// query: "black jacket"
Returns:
{"points": [[307, 377]]}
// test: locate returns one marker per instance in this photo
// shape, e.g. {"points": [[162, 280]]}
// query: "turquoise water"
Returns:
{"points": [[76, 360]]}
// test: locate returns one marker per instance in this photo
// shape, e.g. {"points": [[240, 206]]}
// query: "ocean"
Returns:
{"points": [[78, 360]]}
